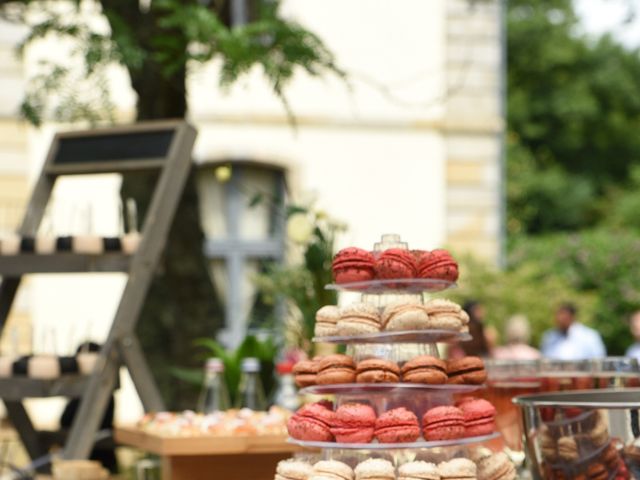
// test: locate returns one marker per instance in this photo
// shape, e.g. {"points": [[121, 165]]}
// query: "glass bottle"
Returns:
{"points": [[286, 395], [250, 391], [214, 396]]}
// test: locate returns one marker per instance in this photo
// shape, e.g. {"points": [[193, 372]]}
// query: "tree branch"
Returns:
{"points": [[127, 10]]}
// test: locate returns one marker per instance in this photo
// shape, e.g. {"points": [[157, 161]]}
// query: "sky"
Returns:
{"points": [[600, 16]]}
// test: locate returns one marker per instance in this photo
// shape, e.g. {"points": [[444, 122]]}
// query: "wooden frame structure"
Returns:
{"points": [[161, 146]]}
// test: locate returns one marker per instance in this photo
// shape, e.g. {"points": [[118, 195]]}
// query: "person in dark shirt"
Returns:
{"points": [[479, 345]]}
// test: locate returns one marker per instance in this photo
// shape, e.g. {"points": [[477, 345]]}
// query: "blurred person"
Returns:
{"points": [[518, 336], [634, 326], [483, 338], [571, 340], [105, 454]]}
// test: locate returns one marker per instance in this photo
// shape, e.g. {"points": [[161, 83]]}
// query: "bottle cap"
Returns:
{"points": [[284, 368], [214, 365], [250, 365]]}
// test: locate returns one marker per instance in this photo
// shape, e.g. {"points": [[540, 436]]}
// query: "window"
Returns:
{"points": [[242, 214], [237, 12]]}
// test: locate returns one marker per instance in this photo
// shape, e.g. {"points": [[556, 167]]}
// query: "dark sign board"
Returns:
{"points": [[114, 147]]}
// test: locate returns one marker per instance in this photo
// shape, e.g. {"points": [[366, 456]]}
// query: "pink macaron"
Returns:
{"points": [[443, 423], [353, 264], [437, 264], [397, 426], [354, 423], [312, 422], [396, 263], [479, 417]]}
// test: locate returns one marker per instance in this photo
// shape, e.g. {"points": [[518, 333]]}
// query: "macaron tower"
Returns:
{"points": [[395, 401]]}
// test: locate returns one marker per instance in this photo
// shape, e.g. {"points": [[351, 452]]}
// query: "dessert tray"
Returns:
{"points": [[401, 285], [399, 412], [573, 434], [404, 336], [423, 444], [388, 389]]}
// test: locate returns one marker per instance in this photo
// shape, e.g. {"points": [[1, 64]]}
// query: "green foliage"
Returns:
{"points": [[528, 288], [573, 118], [264, 350], [600, 263], [543, 199], [171, 36], [620, 210], [301, 282], [73, 91], [573, 165], [596, 269]]}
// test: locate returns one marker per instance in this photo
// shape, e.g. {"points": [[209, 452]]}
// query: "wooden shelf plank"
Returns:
{"points": [[24, 264], [19, 388], [203, 445]]}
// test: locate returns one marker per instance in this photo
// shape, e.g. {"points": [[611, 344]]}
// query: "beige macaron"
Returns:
{"points": [[327, 321], [359, 318], [292, 469], [332, 470], [548, 444], [599, 434], [458, 469], [442, 305], [418, 471], [444, 314], [403, 316], [496, 466], [568, 449], [375, 469]]}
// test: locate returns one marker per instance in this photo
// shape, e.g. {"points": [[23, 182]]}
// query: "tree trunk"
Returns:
{"points": [[180, 306]]}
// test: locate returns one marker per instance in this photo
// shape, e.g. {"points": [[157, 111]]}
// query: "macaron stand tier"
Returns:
{"points": [[392, 398]]}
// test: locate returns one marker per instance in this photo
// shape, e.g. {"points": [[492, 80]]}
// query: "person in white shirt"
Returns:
{"points": [[571, 340], [634, 325]]}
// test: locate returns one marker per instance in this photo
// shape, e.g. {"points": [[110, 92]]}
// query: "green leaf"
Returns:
{"points": [[256, 199], [189, 375]]}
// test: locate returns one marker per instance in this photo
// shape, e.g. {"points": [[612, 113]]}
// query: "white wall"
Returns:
{"points": [[387, 47], [374, 161], [375, 181]]}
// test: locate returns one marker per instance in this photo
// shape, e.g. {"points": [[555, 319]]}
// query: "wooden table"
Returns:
{"points": [[207, 457]]}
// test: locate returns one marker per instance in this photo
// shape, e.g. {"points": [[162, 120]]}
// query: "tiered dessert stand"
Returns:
{"points": [[398, 346]]}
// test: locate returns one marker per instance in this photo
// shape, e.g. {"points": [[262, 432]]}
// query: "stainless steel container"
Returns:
{"points": [[584, 434]]}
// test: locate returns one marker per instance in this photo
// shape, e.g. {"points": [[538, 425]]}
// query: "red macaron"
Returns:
{"points": [[312, 422], [397, 426], [396, 263], [479, 417], [443, 423], [353, 265], [437, 264], [353, 423]]}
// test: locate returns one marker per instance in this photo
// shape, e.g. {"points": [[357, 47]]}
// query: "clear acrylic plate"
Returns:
{"points": [[406, 336], [371, 388], [422, 444], [395, 285]]}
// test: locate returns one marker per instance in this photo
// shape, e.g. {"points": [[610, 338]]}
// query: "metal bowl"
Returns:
{"points": [[510, 378], [582, 434]]}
